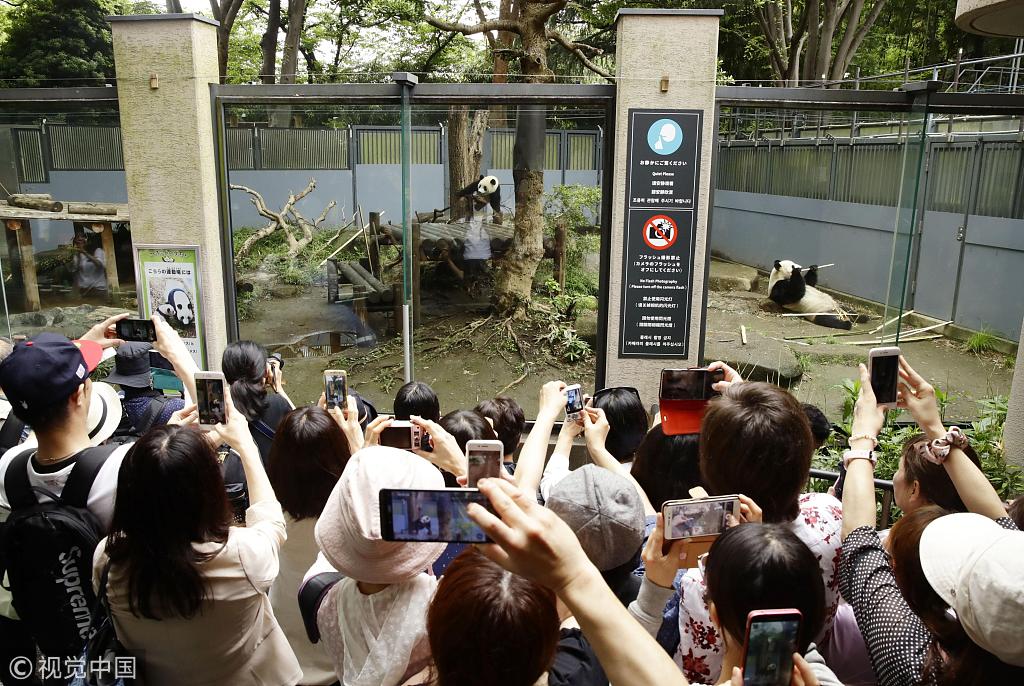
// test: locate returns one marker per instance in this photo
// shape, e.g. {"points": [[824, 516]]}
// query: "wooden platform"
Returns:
{"points": [[12, 212]]}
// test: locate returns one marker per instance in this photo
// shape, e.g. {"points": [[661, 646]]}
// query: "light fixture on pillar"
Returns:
{"points": [[663, 86], [154, 81], [97, 227], [13, 224]]}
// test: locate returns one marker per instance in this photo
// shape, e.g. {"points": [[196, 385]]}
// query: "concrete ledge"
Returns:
{"points": [[991, 17], [163, 17], [650, 11]]}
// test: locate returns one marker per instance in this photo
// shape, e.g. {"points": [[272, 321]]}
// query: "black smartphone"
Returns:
{"points": [[430, 515], [136, 330], [768, 651], [210, 399], [689, 384], [841, 481]]}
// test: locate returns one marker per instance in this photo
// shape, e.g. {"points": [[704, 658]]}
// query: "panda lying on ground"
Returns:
{"points": [[796, 292]]}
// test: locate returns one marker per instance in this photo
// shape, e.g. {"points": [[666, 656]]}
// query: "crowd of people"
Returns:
{"points": [[254, 553]]}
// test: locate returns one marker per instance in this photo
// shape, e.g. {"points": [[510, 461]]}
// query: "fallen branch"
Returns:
{"points": [[515, 383], [902, 340]]}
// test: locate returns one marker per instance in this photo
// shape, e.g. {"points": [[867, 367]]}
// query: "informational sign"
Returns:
{"points": [[168, 285], [661, 221]]}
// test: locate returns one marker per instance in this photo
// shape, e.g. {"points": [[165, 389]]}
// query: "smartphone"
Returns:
{"points": [[884, 366], [689, 384], [336, 388], [430, 515], [771, 640], [696, 518], [573, 402], [138, 330], [484, 458], [210, 399], [402, 434]]}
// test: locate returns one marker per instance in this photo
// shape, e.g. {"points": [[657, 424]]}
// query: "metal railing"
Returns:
{"points": [[880, 485]]}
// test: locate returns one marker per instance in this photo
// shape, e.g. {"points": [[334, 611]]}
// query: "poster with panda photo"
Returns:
{"points": [[168, 285]]}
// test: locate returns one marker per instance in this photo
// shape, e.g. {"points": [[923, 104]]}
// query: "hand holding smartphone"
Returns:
{"points": [[699, 520], [884, 367], [402, 434], [336, 388], [136, 330], [683, 397], [768, 649], [573, 403], [210, 399]]}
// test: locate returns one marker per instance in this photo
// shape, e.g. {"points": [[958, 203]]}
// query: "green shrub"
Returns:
{"points": [[981, 342]]}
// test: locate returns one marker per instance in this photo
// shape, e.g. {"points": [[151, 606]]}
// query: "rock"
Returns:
{"points": [[586, 327], [762, 359], [29, 319], [729, 276]]}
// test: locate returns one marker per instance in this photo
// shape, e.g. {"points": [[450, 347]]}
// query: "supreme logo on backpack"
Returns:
{"points": [[46, 550]]}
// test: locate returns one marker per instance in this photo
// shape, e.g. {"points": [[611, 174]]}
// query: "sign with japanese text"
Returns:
{"points": [[168, 285], [663, 150]]}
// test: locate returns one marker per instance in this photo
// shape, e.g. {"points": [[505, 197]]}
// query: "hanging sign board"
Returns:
{"points": [[168, 285], [663, 150]]}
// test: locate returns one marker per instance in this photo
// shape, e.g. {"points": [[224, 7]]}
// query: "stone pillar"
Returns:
{"points": [[1013, 430], [164, 65], [681, 45]]}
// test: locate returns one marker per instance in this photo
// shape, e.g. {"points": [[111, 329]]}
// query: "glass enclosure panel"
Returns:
{"points": [[322, 287], [469, 232], [844, 189], [61, 268]]}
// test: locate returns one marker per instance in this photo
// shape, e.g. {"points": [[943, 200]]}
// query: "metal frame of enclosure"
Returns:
{"points": [[915, 98]]}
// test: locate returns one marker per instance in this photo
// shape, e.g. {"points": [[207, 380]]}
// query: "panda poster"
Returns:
{"points": [[168, 285]]}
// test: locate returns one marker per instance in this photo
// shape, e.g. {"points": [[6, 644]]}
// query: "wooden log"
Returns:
{"points": [[28, 268], [93, 208], [43, 196], [559, 256], [359, 282], [383, 291], [373, 248], [110, 259], [417, 268], [34, 203]]}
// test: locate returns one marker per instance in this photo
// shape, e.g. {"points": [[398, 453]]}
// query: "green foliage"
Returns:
{"points": [[578, 207], [57, 43], [561, 336], [981, 342]]}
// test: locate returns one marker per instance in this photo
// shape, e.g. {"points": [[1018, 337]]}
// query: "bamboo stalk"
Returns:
{"points": [[905, 340], [885, 324], [743, 334]]}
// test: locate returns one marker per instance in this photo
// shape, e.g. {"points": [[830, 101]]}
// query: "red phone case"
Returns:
{"points": [[682, 416]]}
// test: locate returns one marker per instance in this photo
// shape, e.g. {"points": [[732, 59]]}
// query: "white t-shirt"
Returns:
{"points": [[478, 241], [101, 495], [90, 274]]}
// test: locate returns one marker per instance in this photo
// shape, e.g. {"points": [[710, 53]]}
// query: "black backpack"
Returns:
{"points": [[46, 551]]}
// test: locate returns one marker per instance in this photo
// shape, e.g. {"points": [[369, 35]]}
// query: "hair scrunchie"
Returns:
{"points": [[937, 451]]}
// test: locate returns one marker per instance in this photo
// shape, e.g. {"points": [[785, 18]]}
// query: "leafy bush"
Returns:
{"points": [[576, 206], [981, 342]]}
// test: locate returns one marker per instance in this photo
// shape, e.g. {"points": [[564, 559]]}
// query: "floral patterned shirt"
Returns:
{"points": [[699, 654]]}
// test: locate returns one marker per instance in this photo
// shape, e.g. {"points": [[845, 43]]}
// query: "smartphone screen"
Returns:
{"points": [[573, 400], [484, 461], [397, 437], [336, 388], [694, 518], [430, 515], [689, 384], [210, 400], [139, 330], [885, 373], [771, 642]]}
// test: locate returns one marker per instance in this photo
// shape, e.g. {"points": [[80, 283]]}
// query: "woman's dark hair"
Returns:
{"points": [[821, 428], [755, 439], [509, 420], [667, 467], [245, 367], [307, 457], [489, 626], [764, 567], [417, 398], [466, 426], [953, 659], [936, 486], [170, 495], [627, 421]]}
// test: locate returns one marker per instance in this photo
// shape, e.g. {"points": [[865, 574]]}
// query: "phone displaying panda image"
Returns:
{"points": [[136, 330]]}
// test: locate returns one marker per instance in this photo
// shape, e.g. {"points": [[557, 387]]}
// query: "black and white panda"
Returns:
{"points": [[177, 307], [483, 192], [796, 292]]}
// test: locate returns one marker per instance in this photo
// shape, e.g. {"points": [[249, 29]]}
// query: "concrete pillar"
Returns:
{"points": [[164, 65], [682, 46], [1013, 430]]}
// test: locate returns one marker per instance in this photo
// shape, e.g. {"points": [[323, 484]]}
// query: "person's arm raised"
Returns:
{"points": [[595, 429], [105, 333], [533, 542], [446, 453], [530, 466], [169, 344], [859, 491], [917, 396], [235, 432]]}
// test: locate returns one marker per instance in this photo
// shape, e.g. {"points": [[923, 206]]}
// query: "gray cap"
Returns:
{"points": [[605, 512]]}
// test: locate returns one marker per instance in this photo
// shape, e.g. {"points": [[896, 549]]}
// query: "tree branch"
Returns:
{"points": [[437, 51], [491, 40], [484, 26], [577, 49], [553, 8]]}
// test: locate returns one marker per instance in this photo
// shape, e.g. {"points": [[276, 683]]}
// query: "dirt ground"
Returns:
{"points": [[465, 367]]}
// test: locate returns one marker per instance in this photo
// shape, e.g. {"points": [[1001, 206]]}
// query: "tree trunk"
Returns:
{"points": [[465, 152], [281, 115], [268, 44], [223, 36], [173, 6], [513, 282]]}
